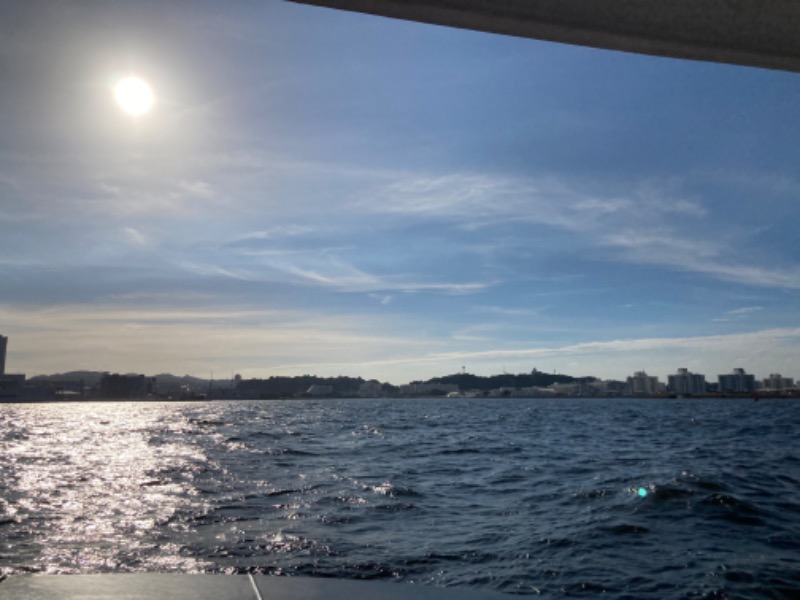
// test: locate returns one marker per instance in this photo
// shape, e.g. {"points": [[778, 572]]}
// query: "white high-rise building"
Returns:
{"points": [[642, 384], [776, 382], [737, 382], [686, 382]]}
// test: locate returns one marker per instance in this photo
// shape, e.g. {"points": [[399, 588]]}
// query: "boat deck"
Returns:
{"points": [[147, 586]]}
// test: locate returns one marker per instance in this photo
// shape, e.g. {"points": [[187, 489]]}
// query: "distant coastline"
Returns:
{"points": [[84, 386]]}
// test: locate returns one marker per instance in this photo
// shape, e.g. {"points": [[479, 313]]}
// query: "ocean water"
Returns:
{"points": [[619, 498]]}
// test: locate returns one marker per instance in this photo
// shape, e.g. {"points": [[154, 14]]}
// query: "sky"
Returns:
{"points": [[323, 192]]}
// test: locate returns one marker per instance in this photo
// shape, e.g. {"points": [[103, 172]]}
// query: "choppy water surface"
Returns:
{"points": [[522, 496]]}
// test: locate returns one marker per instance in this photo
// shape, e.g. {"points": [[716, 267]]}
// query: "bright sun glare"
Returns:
{"points": [[134, 96]]}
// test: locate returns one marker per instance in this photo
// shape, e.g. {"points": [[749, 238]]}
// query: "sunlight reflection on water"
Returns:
{"points": [[99, 487], [512, 495]]}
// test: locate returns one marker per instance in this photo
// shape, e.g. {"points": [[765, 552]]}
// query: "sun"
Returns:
{"points": [[134, 96]]}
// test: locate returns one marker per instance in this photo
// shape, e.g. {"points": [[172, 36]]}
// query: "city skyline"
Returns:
{"points": [[682, 377], [318, 191]]}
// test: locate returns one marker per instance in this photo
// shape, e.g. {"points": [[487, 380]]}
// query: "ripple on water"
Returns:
{"points": [[526, 497]]}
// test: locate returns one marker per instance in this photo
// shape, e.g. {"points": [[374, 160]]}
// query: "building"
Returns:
{"points": [[428, 389], [610, 387], [320, 390], [778, 383], [116, 386], [642, 384], [737, 382], [579, 388], [371, 389], [686, 382], [502, 392], [61, 389], [606, 387], [12, 387], [3, 346]]}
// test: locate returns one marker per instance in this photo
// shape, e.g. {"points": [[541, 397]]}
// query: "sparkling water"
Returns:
{"points": [[620, 497]]}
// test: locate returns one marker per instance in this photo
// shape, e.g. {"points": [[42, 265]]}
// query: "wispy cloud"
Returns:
{"points": [[661, 247], [771, 336], [549, 200], [340, 275], [615, 358], [195, 189], [277, 232], [122, 336], [508, 312], [757, 181], [351, 279], [714, 259], [384, 299], [737, 314], [204, 269], [763, 350], [323, 270], [137, 237], [644, 225], [254, 342]]}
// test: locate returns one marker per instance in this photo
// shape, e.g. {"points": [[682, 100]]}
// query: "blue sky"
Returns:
{"points": [[323, 192]]}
